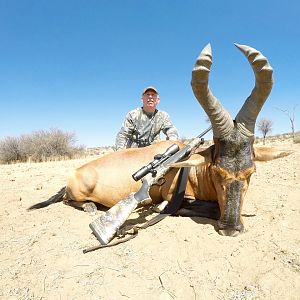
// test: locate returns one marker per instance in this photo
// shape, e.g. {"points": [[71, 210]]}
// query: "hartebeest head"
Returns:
{"points": [[233, 158]]}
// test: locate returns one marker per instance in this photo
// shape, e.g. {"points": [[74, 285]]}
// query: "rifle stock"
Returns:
{"points": [[106, 226]]}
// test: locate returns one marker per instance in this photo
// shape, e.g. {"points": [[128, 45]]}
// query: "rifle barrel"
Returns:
{"points": [[205, 132]]}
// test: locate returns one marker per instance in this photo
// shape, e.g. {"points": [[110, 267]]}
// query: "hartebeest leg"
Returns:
{"points": [[88, 207]]}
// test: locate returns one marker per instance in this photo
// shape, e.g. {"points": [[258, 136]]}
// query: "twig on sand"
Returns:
{"points": [[162, 285], [44, 287]]}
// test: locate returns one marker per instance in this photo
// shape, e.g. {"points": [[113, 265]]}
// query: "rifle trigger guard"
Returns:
{"points": [[160, 181]]}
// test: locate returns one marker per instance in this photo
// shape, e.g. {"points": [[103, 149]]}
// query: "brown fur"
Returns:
{"points": [[107, 180]]}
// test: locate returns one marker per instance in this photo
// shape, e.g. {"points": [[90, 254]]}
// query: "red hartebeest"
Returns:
{"points": [[220, 173]]}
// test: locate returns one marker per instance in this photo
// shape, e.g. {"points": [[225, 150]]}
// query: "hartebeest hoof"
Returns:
{"points": [[161, 206], [90, 208]]}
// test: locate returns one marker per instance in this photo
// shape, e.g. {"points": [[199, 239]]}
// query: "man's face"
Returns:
{"points": [[150, 100]]}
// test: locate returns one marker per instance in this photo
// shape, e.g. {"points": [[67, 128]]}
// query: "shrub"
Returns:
{"points": [[10, 149], [39, 146], [297, 139]]}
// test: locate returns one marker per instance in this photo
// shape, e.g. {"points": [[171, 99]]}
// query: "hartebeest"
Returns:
{"points": [[220, 173]]}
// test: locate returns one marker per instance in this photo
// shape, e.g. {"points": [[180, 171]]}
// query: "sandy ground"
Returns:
{"points": [[179, 258]]}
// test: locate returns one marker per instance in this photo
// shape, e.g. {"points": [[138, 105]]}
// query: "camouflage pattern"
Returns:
{"points": [[141, 129]]}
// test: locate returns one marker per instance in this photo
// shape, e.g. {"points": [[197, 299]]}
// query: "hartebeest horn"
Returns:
{"points": [[220, 119], [247, 115]]}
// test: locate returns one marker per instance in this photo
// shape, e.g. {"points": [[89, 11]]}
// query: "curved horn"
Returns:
{"points": [[220, 119], [247, 115]]}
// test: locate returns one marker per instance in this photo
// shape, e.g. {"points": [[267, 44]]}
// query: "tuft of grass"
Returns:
{"points": [[297, 139]]}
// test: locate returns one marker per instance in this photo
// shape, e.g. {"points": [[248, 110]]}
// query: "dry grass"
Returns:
{"points": [[39, 146], [285, 137]]}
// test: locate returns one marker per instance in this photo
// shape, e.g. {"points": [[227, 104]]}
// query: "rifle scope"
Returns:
{"points": [[158, 159]]}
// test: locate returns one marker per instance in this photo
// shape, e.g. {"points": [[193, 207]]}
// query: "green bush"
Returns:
{"points": [[39, 146]]}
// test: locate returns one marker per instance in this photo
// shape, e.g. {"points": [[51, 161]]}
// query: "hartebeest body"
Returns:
{"points": [[220, 173]]}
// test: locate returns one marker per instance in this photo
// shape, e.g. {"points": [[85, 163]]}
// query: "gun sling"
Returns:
{"points": [[169, 210]]}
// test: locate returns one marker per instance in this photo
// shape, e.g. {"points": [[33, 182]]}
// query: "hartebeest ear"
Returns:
{"points": [[269, 153], [194, 160]]}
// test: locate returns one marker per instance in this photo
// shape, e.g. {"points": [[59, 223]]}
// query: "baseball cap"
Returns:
{"points": [[150, 88]]}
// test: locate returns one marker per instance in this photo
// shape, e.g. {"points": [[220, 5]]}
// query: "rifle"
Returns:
{"points": [[106, 226]]}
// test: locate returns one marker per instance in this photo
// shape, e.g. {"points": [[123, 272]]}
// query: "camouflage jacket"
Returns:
{"points": [[141, 129]]}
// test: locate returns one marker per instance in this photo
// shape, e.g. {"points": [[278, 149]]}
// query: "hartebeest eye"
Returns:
{"points": [[224, 176], [221, 174], [246, 174]]}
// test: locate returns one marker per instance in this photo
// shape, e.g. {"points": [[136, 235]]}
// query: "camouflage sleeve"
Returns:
{"points": [[123, 136], [168, 128]]}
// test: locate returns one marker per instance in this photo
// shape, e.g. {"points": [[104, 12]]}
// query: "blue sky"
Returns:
{"points": [[80, 66]]}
